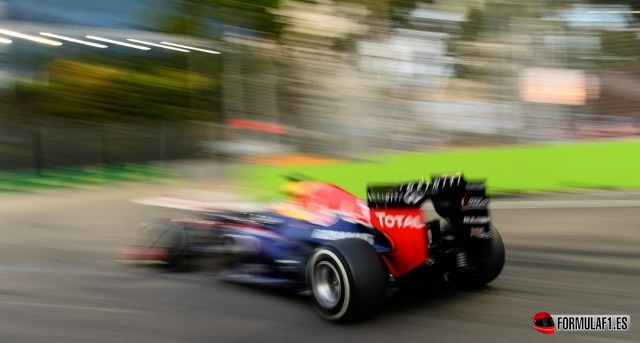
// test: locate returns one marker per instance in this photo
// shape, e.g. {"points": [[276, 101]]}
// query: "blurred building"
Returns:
{"points": [[456, 71], [342, 82]]}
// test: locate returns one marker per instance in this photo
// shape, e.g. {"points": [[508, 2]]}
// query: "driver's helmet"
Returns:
{"points": [[292, 189], [295, 198]]}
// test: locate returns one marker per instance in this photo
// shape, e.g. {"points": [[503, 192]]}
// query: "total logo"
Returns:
{"points": [[400, 221]]}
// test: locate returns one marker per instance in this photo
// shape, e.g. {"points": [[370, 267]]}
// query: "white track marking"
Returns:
{"points": [[559, 204], [550, 204], [36, 270], [69, 307], [204, 205]]}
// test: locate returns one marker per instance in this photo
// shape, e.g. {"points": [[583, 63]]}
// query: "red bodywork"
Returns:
{"points": [[404, 227]]}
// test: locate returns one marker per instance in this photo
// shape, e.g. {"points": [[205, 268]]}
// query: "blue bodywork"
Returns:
{"points": [[272, 249]]}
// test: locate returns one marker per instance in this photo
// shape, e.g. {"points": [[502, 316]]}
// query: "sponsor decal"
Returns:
{"points": [[332, 235], [475, 201], [476, 186], [384, 197], [412, 193], [321, 213], [476, 220], [399, 221], [480, 232], [358, 214], [548, 324], [414, 197], [447, 181], [415, 192]]}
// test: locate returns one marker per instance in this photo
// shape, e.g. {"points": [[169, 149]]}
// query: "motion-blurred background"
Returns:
{"points": [[533, 96], [236, 79]]}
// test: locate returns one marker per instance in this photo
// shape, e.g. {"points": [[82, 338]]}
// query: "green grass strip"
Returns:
{"points": [[83, 176], [521, 169]]}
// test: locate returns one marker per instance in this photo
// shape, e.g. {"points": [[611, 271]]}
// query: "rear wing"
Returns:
{"points": [[415, 193], [463, 203]]}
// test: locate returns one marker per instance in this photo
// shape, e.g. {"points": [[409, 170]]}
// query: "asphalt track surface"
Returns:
{"points": [[566, 254]]}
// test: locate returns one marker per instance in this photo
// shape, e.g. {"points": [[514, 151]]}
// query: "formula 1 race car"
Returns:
{"points": [[346, 252]]}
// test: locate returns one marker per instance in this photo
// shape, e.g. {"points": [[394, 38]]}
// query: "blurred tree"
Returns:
{"points": [[620, 43], [621, 48], [208, 18], [96, 93], [472, 26], [394, 12]]}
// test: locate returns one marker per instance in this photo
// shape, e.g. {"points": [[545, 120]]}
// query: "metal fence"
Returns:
{"points": [[55, 145]]}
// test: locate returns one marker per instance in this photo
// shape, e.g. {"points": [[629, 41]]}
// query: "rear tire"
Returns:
{"points": [[490, 266], [347, 279]]}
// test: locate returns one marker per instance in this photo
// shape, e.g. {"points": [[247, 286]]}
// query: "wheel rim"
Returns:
{"points": [[328, 285]]}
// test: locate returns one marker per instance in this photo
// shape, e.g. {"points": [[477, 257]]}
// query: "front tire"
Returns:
{"points": [[347, 279], [170, 237]]}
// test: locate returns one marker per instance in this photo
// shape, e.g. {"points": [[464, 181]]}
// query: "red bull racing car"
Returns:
{"points": [[346, 252]]}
